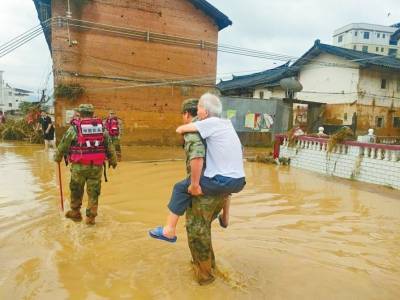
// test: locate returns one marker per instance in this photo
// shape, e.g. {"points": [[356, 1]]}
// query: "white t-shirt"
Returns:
{"points": [[224, 150]]}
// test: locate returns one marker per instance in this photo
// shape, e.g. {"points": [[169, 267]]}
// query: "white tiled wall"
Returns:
{"points": [[351, 165]]}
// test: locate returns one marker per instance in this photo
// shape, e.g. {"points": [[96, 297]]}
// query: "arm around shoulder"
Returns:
{"points": [[186, 128]]}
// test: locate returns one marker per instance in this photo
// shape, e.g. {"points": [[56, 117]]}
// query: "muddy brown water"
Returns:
{"points": [[293, 235]]}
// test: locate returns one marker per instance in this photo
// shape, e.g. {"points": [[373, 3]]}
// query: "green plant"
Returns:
{"points": [[343, 134], [71, 91], [13, 130], [18, 130]]}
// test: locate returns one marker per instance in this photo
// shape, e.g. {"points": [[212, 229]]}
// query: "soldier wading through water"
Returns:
{"points": [[87, 146]]}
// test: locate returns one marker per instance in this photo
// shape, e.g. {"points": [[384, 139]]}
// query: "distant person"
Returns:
{"points": [[2, 117], [47, 129], [224, 172], [88, 146], [113, 125], [76, 117]]}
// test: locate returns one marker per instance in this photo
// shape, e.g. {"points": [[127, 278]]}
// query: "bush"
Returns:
{"points": [[71, 92], [18, 130]]}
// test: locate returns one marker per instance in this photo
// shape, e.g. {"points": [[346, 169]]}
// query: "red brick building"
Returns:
{"points": [[139, 58]]}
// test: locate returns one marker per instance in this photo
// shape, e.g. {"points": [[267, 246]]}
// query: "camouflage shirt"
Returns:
{"points": [[70, 136], [194, 147]]}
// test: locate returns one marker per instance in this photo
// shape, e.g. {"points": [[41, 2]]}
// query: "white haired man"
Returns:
{"points": [[224, 172]]}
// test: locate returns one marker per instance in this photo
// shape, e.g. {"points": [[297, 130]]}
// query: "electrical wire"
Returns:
{"points": [[37, 30], [176, 40], [22, 39]]}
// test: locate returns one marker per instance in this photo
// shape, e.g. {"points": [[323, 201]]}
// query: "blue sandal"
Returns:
{"points": [[157, 233]]}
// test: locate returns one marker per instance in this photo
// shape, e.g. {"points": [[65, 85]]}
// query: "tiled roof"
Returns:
{"points": [[364, 59], [269, 77], [396, 35], [220, 19]]}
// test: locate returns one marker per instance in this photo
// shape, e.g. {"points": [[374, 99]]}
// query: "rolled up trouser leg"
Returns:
{"points": [[180, 198]]}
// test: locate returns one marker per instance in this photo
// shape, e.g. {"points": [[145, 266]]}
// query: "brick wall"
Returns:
{"points": [[99, 61], [373, 163]]}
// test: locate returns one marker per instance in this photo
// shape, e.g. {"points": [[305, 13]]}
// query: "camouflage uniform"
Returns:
{"points": [[203, 210], [116, 141], [81, 174]]}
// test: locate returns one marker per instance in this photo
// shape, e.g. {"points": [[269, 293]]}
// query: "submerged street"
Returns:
{"points": [[293, 235]]}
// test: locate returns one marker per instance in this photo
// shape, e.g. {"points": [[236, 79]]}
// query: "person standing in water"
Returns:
{"points": [[87, 146]]}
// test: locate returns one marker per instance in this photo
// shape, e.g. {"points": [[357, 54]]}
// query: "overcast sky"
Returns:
{"points": [[284, 26]]}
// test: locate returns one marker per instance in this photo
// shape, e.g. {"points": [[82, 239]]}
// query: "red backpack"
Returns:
{"points": [[112, 126], [89, 147]]}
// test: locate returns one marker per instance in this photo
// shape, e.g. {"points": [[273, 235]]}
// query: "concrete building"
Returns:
{"points": [[139, 58], [357, 89], [369, 38], [10, 97]]}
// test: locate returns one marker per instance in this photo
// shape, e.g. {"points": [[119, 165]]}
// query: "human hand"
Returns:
{"points": [[195, 190], [179, 130]]}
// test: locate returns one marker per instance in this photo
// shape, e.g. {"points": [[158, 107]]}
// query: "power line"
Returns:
{"points": [[32, 33], [22, 39], [176, 40]]}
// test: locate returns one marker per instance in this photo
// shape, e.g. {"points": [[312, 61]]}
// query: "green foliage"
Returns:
{"points": [[27, 107], [343, 134], [71, 92], [18, 130]]}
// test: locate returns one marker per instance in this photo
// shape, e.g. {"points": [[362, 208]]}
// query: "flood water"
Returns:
{"points": [[293, 235]]}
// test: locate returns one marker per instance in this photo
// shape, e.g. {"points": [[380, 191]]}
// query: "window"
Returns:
{"points": [[261, 94], [377, 49], [355, 33], [392, 52], [345, 117], [383, 84], [9, 104], [383, 35], [379, 122], [378, 35], [393, 42], [396, 122], [340, 38], [382, 49], [365, 48], [366, 35], [355, 47]]}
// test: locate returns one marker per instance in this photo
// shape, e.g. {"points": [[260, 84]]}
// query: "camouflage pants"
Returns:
{"points": [[199, 217], [117, 144], [91, 176]]}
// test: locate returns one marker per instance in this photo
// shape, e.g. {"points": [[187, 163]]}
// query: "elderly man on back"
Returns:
{"points": [[224, 173]]}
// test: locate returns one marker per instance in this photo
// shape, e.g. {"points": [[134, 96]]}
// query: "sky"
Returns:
{"points": [[286, 26]]}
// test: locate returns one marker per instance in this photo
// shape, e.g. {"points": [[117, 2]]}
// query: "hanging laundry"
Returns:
{"points": [[231, 114], [249, 120]]}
